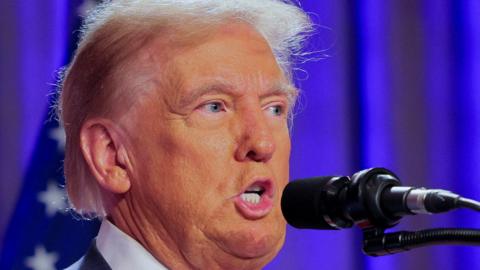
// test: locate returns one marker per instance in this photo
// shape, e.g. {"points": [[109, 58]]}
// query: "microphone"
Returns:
{"points": [[372, 198]]}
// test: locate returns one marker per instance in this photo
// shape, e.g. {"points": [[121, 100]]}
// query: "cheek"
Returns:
{"points": [[281, 160], [283, 145], [188, 162]]}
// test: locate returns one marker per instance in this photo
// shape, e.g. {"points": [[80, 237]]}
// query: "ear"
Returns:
{"points": [[105, 154]]}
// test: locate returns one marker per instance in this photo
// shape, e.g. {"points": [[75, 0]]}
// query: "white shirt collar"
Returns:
{"points": [[123, 252]]}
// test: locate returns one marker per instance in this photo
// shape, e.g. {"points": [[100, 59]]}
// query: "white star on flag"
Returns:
{"points": [[58, 134], [54, 199], [42, 260]]}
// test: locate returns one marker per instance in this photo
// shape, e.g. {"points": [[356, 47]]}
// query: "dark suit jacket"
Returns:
{"points": [[93, 260]]}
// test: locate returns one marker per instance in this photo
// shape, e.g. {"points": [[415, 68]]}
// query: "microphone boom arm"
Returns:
{"points": [[377, 243]]}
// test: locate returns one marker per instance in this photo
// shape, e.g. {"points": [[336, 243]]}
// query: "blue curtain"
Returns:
{"points": [[399, 88]]}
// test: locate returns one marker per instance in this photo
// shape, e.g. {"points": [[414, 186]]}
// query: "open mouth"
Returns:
{"points": [[257, 200], [253, 194]]}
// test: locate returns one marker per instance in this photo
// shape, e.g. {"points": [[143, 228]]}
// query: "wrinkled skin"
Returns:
{"points": [[212, 123]]}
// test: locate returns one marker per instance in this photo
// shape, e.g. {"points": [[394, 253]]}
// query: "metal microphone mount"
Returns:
{"points": [[375, 190]]}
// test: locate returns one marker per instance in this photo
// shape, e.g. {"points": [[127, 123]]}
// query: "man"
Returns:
{"points": [[176, 116]]}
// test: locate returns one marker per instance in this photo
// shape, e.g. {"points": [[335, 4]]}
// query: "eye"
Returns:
{"points": [[213, 107], [276, 110]]}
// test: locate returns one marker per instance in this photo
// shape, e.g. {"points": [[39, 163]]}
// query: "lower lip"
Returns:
{"points": [[254, 211]]}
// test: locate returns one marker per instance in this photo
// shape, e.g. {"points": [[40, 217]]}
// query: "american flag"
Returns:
{"points": [[43, 234]]}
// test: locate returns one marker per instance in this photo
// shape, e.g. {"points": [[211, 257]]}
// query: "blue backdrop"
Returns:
{"points": [[399, 88]]}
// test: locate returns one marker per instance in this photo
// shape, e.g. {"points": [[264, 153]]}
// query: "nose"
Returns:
{"points": [[256, 141]]}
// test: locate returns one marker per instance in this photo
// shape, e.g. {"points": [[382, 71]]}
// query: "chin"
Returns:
{"points": [[247, 244], [254, 243]]}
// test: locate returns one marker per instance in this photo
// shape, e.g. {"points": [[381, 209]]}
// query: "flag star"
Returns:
{"points": [[58, 134], [53, 198], [42, 260], [85, 7]]}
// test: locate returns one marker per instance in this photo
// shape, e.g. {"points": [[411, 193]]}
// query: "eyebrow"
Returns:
{"points": [[217, 87], [211, 88], [282, 89]]}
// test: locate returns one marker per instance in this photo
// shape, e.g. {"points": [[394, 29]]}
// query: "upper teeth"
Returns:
{"points": [[250, 197], [255, 189]]}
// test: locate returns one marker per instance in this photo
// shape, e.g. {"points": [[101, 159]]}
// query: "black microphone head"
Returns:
{"points": [[315, 203]]}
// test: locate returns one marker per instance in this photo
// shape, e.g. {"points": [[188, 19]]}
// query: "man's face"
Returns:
{"points": [[210, 150]]}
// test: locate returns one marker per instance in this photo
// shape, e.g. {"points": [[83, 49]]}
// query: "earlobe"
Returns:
{"points": [[101, 148]]}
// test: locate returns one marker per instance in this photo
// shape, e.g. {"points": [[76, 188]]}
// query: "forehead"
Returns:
{"points": [[232, 55]]}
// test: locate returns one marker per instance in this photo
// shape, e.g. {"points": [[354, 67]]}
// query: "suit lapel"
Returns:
{"points": [[93, 260]]}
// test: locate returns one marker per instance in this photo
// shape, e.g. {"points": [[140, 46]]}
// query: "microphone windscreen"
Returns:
{"points": [[304, 203]]}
